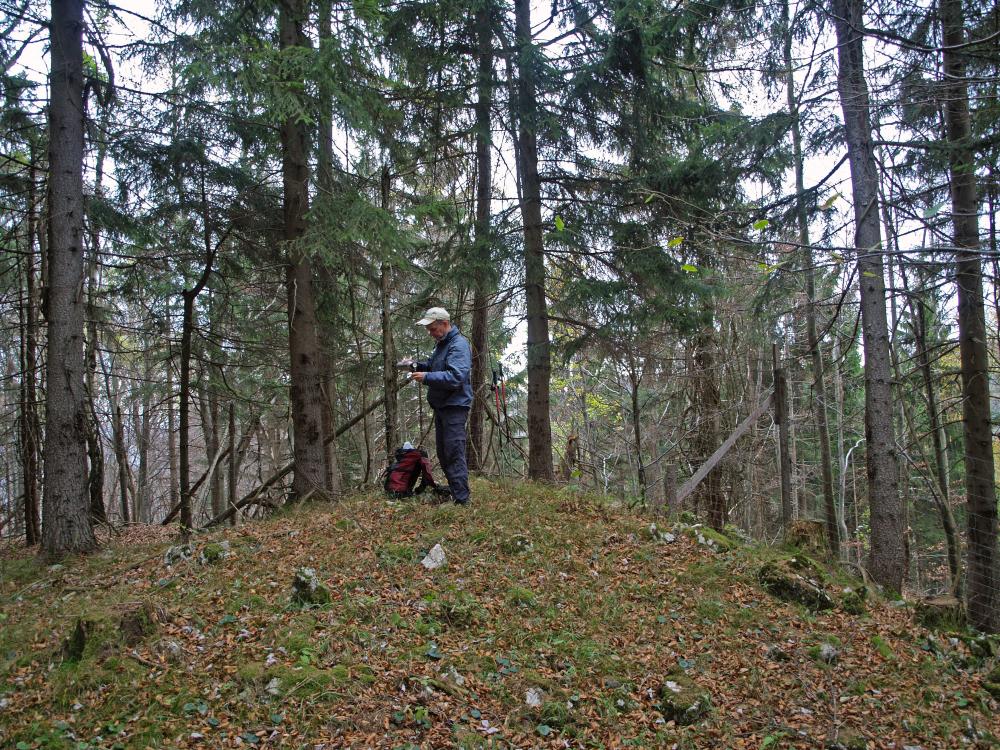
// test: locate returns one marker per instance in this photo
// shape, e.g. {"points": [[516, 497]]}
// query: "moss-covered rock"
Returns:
{"points": [[682, 700], [516, 545], [307, 591], [940, 613], [708, 537], [991, 682], [177, 553], [783, 579], [300, 680], [213, 552], [853, 601]]}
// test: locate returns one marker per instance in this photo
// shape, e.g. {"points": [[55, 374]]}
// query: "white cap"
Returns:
{"points": [[434, 313], [407, 446]]}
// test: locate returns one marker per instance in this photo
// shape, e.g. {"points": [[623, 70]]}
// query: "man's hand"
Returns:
{"points": [[418, 376]]}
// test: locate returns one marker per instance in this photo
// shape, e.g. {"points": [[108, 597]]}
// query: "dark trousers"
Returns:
{"points": [[449, 434]]}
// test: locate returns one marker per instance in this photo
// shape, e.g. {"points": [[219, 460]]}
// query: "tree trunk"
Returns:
{"points": [[325, 186], [540, 464], [816, 354], [635, 379], [66, 525], [391, 408], [483, 273], [172, 457], [919, 314], [707, 397], [887, 554], [234, 463], [121, 455], [303, 344], [983, 597], [29, 363]]}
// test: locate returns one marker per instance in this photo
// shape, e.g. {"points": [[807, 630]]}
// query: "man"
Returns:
{"points": [[449, 392]]}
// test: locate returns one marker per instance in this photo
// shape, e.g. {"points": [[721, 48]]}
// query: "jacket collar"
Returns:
{"points": [[449, 336]]}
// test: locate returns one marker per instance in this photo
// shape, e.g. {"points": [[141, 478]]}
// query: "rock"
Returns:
{"points": [[940, 613], [781, 579], [177, 553], [991, 682], [828, 653], [435, 558], [533, 697], [213, 552], [682, 701], [981, 645], [516, 545], [845, 739], [708, 537], [853, 601], [307, 589], [660, 536], [777, 653]]}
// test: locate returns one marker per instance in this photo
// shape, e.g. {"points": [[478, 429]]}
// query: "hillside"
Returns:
{"points": [[555, 622]]}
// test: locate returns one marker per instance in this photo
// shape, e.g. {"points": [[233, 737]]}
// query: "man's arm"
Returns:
{"points": [[457, 365]]}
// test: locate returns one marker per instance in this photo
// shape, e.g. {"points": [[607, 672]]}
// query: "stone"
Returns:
{"points": [[682, 701], [177, 553], [435, 559], [781, 579], [213, 552], [991, 682], [307, 590]]}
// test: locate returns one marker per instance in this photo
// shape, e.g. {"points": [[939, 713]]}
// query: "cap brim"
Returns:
{"points": [[425, 321]]}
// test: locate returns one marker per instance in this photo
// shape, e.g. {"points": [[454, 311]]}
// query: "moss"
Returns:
{"points": [[710, 538], [852, 601], [300, 680], [808, 536], [307, 591], [516, 545], [941, 613], [520, 597], [782, 579], [682, 700], [213, 552], [991, 682]]}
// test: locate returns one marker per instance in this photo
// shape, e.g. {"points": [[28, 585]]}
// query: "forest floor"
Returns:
{"points": [[558, 621]]}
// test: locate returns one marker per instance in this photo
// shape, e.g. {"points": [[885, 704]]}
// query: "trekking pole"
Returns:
{"points": [[496, 400], [420, 413]]}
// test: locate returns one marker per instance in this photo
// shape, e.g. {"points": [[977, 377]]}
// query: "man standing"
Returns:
{"points": [[449, 392]]}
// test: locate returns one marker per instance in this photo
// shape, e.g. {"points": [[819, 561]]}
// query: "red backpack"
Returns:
{"points": [[401, 478]]}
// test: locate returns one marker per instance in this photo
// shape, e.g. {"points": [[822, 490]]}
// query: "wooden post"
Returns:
{"points": [[784, 440]]}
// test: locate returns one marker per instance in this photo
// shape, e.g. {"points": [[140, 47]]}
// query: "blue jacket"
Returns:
{"points": [[448, 371]]}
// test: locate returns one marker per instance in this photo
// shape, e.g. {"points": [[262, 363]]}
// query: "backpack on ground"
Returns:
{"points": [[410, 465]]}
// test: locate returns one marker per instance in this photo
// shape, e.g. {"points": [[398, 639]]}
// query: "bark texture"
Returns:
{"points": [[303, 344], [66, 524], [982, 596], [888, 559], [479, 337], [540, 464]]}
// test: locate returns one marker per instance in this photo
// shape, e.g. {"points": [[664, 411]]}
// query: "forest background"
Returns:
{"points": [[220, 221]]}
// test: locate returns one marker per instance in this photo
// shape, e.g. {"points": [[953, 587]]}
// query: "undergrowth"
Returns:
{"points": [[557, 621]]}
